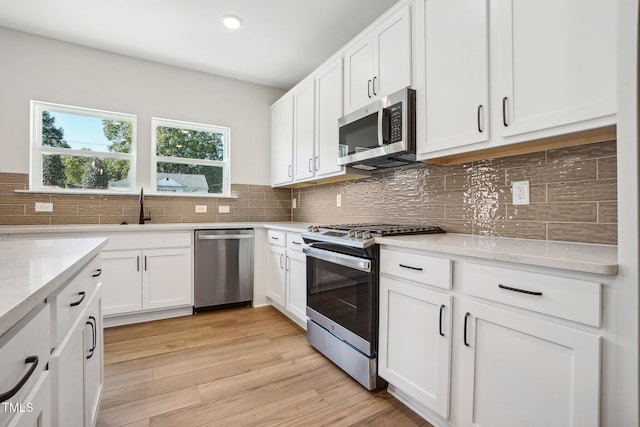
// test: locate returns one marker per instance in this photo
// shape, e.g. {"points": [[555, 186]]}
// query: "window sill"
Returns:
{"points": [[233, 194]]}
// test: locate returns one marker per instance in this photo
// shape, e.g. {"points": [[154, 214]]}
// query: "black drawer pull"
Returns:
{"points": [[440, 321], [8, 395], [92, 322], [464, 336], [522, 291], [479, 121], [82, 295], [410, 267], [296, 243], [275, 238], [504, 112], [98, 273]]}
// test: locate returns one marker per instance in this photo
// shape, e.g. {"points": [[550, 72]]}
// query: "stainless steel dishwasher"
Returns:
{"points": [[223, 268]]}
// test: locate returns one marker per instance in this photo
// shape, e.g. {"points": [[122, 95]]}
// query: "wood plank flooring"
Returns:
{"points": [[236, 367]]}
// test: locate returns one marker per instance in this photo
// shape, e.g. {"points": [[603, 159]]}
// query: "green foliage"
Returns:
{"points": [[119, 134], [53, 169], [95, 174], [52, 136], [74, 169]]}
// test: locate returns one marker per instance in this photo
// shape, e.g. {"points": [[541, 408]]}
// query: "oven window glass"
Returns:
{"points": [[342, 294], [360, 135]]}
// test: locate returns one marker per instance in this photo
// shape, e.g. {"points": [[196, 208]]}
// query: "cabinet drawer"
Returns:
{"points": [[278, 238], [72, 298], [295, 242], [28, 338], [420, 268], [146, 240], [570, 299]]}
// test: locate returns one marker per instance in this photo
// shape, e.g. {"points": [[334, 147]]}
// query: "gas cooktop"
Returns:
{"points": [[363, 235]]}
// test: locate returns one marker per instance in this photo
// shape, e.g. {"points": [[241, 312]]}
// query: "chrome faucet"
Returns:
{"points": [[141, 202]]}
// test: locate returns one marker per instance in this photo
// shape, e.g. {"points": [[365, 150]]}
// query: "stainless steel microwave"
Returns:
{"points": [[380, 135]]}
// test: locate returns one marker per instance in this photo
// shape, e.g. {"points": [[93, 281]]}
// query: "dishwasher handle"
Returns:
{"points": [[224, 236]]}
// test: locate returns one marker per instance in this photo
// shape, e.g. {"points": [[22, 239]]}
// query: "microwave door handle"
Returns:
{"points": [[380, 125]]}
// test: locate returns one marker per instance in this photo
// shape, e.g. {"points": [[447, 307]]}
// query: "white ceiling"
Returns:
{"points": [[280, 42]]}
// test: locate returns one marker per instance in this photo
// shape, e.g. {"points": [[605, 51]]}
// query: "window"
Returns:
{"points": [[80, 149], [190, 157]]}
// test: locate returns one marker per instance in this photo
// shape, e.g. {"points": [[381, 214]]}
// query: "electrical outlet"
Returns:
{"points": [[223, 209], [201, 208], [338, 200], [520, 190], [294, 203], [44, 207]]}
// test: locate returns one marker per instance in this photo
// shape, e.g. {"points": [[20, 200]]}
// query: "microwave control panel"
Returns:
{"points": [[395, 122]]}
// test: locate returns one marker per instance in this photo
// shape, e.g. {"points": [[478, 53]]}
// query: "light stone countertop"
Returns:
{"points": [[582, 257], [30, 270]]}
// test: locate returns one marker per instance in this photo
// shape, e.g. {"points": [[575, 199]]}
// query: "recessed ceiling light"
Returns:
{"points": [[232, 21]]}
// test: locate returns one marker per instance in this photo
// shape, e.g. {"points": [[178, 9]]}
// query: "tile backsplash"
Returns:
{"points": [[253, 203], [572, 193]]}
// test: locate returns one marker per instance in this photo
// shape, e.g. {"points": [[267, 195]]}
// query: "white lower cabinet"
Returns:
{"points": [[149, 271], [520, 371], [38, 411], [415, 342], [287, 281], [94, 358]]}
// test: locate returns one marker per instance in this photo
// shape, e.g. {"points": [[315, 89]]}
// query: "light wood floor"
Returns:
{"points": [[236, 367]]}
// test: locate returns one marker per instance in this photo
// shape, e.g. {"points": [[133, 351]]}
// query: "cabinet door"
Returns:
{"points": [[518, 371], [304, 133], [122, 281], [166, 280], [392, 54], [94, 354], [415, 342], [557, 73], [282, 141], [297, 285], [457, 98], [328, 110], [277, 275], [358, 74], [37, 409], [67, 370]]}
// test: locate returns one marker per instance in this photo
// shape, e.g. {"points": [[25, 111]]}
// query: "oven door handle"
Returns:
{"points": [[340, 259]]}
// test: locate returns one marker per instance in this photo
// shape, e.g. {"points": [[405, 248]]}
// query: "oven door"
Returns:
{"points": [[341, 295]]}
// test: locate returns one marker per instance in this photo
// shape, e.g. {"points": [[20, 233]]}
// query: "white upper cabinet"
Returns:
{"points": [[457, 73], [282, 141], [379, 62], [328, 111], [554, 63], [505, 71], [304, 132]]}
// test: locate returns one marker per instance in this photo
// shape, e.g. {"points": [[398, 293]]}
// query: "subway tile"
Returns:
{"points": [[25, 220], [601, 190], [165, 219], [568, 170], [12, 210], [429, 211], [118, 219], [20, 198], [75, 199], [518, 229], [10, 187], [593, 233], [231, 218], [518, 160], [14, 178], [608, 212], [100, 210], [64, 220], [58, 209], [557, 212], [177, 210], [197, 218], [262, 203], [580, 152], [607, 168], [451, 226]]}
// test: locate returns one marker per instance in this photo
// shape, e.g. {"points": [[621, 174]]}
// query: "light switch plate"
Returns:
{"points": [[338, 200], [44, 207], [294, 203], [520, 190], [201, 208], [223, 209]]}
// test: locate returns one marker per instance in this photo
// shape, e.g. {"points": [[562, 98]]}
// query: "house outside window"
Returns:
{"points": [[190, 158], [80, 149]]}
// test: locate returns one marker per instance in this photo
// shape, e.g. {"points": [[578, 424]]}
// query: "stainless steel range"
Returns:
{"points": [[342, 293]]}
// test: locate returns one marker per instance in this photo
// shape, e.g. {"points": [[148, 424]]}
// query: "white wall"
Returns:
{"points": [[34, 67]]}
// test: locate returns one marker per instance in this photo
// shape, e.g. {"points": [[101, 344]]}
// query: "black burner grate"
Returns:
{"points": [[387, 229]]}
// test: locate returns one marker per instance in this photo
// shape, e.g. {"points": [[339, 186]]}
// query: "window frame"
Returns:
{"points": [[38, 150], [202, 127]]}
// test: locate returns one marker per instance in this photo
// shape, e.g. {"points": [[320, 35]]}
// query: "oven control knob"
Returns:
{"points": [[313, 228], [352, 233], [359, 234], [367, 235]]}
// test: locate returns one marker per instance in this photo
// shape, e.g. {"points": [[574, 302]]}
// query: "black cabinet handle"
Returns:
{"points": [[374, 85], [504, 112], [275, 238], [440, 321], [410, 267], [82, 294], [479, 120], [93, 336], [138, 263], [9, 394], [464, 337], [296, 243], [289, 171], [369, 88], [145, 263], [522, 291], [98, 273]]}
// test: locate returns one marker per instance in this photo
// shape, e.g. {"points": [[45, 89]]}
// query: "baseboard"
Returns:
{"points": [[424, 412], [145, 316]]}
